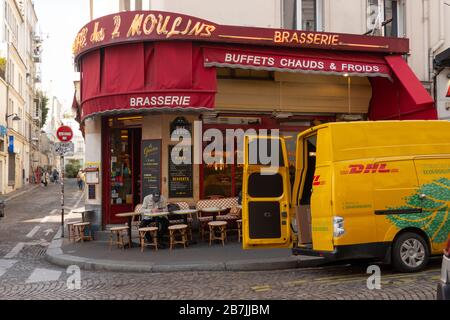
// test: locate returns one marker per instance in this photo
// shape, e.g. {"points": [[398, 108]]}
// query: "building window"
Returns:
{"points": [[302, 14], [385, 18]]}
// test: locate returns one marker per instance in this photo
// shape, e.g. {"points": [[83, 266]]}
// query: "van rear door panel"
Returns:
{"points": [[322, 215], [265, 199]]}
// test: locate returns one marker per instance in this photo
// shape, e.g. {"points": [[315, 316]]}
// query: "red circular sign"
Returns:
{"points": [[64, 134]]}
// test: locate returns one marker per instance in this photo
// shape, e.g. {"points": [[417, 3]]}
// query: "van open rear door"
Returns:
{"points": [[266, 194]]}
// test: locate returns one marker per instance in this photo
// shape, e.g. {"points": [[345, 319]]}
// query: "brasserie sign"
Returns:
{"points": [[132, 26]]}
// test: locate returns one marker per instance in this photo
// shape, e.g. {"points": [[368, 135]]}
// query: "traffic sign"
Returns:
{"points": [[64, 148], [64, 134]]}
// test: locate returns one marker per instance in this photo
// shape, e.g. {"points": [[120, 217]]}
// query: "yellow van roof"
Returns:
{"points": [[379, 139]]}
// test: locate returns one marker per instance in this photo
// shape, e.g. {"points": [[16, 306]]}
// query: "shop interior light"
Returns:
{"points": [[282, 115], [130, 118], [345, 75]]}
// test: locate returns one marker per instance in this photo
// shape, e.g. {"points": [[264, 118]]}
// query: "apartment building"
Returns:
{"points": [[426, 23], [19, 79]]}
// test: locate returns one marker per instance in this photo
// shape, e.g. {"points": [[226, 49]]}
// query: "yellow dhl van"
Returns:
{"points": [[362, 190]]}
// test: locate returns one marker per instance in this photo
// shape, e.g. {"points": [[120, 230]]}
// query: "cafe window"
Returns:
{"points": [[302, 14], [222, 179], [385, 18]]}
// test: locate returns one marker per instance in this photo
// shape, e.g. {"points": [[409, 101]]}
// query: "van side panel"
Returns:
{"points": [[354, 202], [396, 181], [434, 180]]}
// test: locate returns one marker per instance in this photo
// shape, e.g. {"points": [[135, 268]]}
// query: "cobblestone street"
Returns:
{"points": [[33, 218]]}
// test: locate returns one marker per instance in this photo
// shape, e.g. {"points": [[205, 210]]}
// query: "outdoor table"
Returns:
{"points": [[148, 213], [130, 216], [81, 211], [185, 213], [214, 210]]}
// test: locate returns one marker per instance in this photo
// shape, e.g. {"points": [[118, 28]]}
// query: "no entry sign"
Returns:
{"points": [[64, 134]]}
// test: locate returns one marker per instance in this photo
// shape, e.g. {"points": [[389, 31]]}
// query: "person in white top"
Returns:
{"points": [[156, 203]]}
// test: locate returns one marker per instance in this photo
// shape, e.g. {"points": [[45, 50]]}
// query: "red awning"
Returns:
{"points": [[409, 81], [302, 61], [448, 92], [405, 98], [140, 76]]}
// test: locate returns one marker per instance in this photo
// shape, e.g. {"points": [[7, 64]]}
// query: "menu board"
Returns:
{"points": [[151, 166], [181, 174]]}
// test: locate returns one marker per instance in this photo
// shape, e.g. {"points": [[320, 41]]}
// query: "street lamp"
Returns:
{"points": [[15, 115]]}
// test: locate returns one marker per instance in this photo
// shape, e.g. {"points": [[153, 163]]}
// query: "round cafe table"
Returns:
{"points": [[214, 211], [185, 213], [148, 213]]}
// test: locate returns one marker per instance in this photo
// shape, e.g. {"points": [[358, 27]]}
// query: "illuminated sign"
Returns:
{"points": [[131, 26]]}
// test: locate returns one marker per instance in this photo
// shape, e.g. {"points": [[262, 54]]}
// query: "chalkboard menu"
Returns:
{"points": [[151, 166], [180, 173], [91, 191]]}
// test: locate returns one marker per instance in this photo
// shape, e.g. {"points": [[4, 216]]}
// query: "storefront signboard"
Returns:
{"points": [[151, 166], [180, 173], [304, 62], [132, 26]]}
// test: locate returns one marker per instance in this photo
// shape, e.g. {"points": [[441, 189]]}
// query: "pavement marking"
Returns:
{"points": [[43, 275], [79, 200], [33, 232], [5, 265], [261, 288], [46, 218], [15, 250]]}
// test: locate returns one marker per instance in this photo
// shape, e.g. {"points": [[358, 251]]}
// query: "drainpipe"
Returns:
{"points": [[426, 41], [432, 51]]}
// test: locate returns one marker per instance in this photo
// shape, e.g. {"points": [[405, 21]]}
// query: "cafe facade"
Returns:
{"points": [[148, 74]]}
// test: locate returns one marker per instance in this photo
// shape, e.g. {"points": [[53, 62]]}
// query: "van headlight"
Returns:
{"points": [[338, 226]]}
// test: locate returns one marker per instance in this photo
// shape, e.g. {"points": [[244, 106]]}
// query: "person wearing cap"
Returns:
{"points": [[155, 202]]}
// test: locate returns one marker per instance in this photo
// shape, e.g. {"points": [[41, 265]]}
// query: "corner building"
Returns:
{"points": [[145, 74]]}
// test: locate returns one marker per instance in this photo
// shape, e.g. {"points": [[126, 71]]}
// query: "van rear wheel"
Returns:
{"points": [[410, 252]]}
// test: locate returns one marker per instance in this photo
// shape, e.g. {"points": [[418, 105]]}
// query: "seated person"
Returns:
{"points": [[155, 202]]}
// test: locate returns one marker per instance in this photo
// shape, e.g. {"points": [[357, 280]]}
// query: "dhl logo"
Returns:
{"points": [[368, 168], [317, 182]]}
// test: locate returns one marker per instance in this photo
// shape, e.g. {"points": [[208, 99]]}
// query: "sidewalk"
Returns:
{"points": [[17, 193], [96, 255]]}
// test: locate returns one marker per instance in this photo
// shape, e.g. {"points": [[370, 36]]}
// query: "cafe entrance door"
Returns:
{"points": [[122, 171]]}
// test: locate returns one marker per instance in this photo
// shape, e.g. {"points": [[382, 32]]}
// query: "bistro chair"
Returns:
{"points": [[136, 220], [217, 231], [119, 233], [81, 228], [231, 217], [239, 225], [72, 231], [153, 232], [180, 231], [204, 218]]}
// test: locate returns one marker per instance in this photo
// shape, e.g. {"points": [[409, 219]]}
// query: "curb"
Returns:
{"points": [[55, 255]]}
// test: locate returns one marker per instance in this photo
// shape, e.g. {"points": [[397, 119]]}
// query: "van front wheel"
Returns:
{"points": [[410, 253]]}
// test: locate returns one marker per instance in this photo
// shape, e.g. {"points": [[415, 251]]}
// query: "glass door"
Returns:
{"points": [[121, 173]]}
